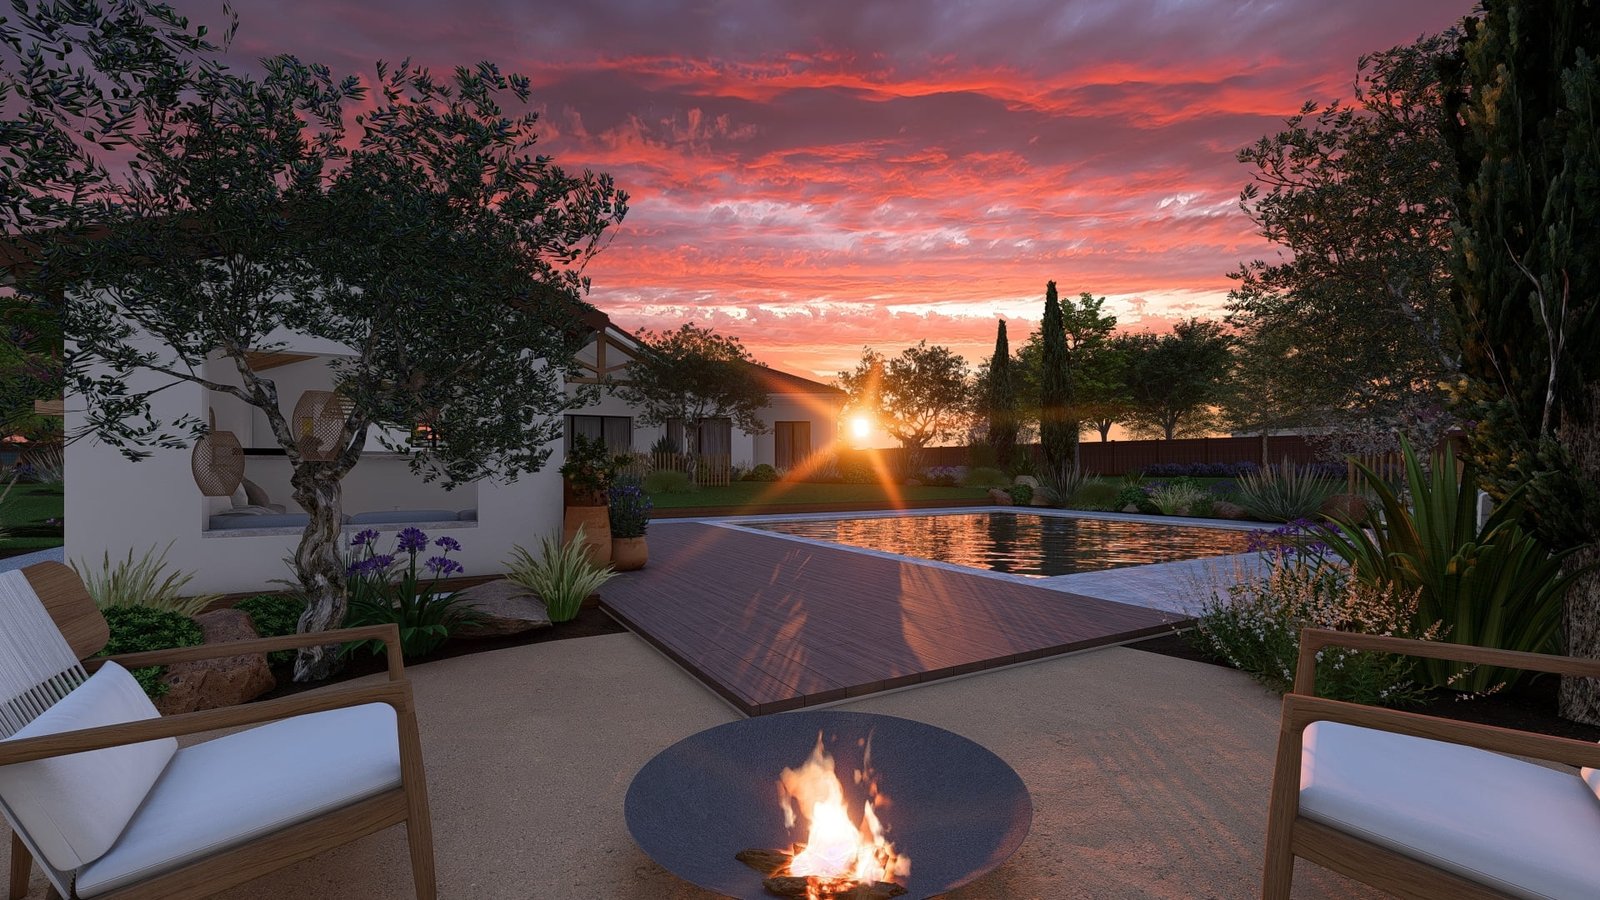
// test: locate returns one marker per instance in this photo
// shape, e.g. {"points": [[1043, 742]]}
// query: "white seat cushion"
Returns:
{"points": [[226, 792], [1522, 828], [74, 807]]}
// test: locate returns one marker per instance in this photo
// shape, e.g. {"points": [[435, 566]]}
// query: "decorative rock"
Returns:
{"points": [[1131, 508], [1028, 480], [503, 608], [999, 497], [213, 683], [1222, 509], [912, 482]]}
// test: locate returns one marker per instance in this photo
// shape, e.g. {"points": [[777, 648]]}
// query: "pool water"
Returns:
{"points": [[1022, 543]]}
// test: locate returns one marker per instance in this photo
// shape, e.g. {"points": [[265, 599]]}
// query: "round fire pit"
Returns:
{"points": [[953, 807]]}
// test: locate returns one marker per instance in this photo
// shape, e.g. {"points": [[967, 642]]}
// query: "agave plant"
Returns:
{"points": [[1489, 585], [562, 575], [1058, 488], [142, 582], [1285, 492]]}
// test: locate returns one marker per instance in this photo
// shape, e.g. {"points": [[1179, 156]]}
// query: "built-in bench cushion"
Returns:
{"points": [[232, 522], [1523, 828], [403, 516], [226, 792], [74, 807], [468, 515]]}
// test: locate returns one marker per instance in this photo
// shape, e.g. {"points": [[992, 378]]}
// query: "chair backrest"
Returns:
{"points": [[48, 622]]}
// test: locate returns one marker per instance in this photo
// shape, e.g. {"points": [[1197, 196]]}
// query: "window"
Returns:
{"points": [[616, 431], [791, 444], [712, 437]]}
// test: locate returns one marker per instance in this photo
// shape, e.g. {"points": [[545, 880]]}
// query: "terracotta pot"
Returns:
{"points": [[628, 554], [596, 524]]}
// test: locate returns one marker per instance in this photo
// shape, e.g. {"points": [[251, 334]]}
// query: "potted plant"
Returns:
{"points": [[588, 471], [630, 518]]}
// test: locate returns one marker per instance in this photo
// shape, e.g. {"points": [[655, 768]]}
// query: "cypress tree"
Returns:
{"points": [[1522, 107], [1058, 437], [1002, 401]]}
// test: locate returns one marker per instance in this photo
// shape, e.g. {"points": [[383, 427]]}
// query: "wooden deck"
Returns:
{"points": [[774, 624]]}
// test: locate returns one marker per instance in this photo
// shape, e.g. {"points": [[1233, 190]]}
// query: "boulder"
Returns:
{"points": [[1131, 508], [1028, 480], [999, 497], [1222, 509], [503, 608], [225, 681]]}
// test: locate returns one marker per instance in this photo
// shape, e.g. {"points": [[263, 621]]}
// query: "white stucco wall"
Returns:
{"points": [[114, 505]]}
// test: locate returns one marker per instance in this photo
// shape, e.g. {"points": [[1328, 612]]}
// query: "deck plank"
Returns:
{"points": [[772, 624]]}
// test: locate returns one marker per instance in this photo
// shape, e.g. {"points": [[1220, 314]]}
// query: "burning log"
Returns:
{"points": [[772, 864]]}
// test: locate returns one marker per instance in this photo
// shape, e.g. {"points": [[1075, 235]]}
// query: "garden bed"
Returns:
{"points": [[1530, 706], [590, 622]]}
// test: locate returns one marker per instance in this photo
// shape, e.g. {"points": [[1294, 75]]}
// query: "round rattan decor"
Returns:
{"points": [[217, 461], [318, 419]]}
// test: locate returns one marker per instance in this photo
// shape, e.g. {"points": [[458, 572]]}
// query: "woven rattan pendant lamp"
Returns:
{"points": [[217, 461], [318, 420]]}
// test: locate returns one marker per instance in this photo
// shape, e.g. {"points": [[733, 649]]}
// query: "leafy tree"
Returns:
{"points": [[1175, 380], [1523, 109], [1000, 400], [1084, 383], [431, 244], [1262, 396], [918, 397], [694, 374], [77, 81], [1359, 195]]}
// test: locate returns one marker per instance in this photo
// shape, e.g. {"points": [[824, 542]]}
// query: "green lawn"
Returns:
{"points": [[747, 493], [23, 516]]}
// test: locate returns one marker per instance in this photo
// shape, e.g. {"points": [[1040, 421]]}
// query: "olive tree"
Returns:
{"points": [[919, 397], [693, 374], [422, 236]]}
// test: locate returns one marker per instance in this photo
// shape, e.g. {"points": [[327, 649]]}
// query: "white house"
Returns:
{"points": [[240, 543]]}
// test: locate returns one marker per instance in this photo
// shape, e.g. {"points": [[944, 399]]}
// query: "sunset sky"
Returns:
{"points": [[818, 176]]}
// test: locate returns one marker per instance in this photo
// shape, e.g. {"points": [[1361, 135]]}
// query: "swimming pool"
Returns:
{"points": [[1029, 544]]}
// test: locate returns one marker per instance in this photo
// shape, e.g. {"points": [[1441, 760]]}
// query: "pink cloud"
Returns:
{"points": [[802, 173]]}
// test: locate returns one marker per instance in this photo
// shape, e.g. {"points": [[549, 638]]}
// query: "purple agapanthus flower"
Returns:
{"points": [[443, 565], [448, 543], [363, 538], [412, 540], [375, 565]]}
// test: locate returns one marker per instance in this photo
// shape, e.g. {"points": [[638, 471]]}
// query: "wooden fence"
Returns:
{"points": [[703, 470], [1127, 457]]}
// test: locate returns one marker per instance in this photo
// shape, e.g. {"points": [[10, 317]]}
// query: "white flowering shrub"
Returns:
{"points": [[1253, 624]]}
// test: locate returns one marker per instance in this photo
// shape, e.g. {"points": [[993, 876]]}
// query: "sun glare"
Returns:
{"points": [[860, 427]]}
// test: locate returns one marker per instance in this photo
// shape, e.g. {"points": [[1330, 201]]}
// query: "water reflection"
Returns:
{"points": [[1023, 543]]}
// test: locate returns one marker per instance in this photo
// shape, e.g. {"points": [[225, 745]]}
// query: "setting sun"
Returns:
{"points": [[860, 427]]}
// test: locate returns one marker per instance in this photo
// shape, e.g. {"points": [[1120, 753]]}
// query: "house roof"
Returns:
{"points": [[777, 381]]}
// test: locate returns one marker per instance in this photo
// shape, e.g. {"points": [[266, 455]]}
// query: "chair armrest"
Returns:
{"points": [[1300, 711], [1314, 639], [395, 693], [388, 633]]}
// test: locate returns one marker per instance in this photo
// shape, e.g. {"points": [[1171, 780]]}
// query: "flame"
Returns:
{"points": [[837, 849]]}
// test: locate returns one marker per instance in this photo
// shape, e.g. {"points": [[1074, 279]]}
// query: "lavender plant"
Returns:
{"points": [[630, 509]]}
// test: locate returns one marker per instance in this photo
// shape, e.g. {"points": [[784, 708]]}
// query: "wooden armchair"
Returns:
{"points": [[333, 765], [1424, 807]]}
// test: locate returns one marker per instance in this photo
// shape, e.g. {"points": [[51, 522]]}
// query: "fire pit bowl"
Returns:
{"points": [[953, 807]]}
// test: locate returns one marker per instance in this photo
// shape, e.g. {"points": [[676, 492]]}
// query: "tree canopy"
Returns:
{"points": [[1091, 369], [1176, 380], [1358, 194], [693, 374], [435, 248], [77, 82], [918, 397], [1523, 110]]}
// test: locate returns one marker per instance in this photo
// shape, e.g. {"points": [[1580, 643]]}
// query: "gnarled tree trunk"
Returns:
{"points": [[1580, 436], [317, 563]]}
